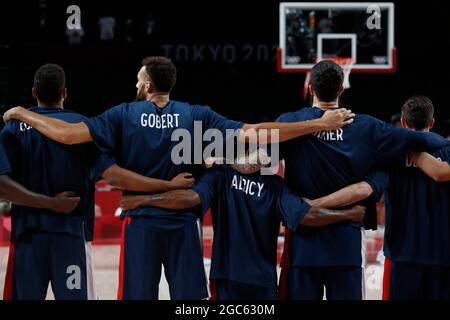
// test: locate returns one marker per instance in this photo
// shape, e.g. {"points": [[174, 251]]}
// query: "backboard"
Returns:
{"points": [[312, 31]]}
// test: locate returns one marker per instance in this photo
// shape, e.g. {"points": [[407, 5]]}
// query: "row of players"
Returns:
{"points": [[323, 248]]}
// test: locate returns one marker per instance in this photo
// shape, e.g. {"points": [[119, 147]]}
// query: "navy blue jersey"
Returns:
{"points": [[417, 214], [5, 168], [324, 162], [139, 135], [246, 213], [47, 167]]}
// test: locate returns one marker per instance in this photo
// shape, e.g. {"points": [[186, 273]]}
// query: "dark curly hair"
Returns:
{"points": [[49, 83], [162, 72]]}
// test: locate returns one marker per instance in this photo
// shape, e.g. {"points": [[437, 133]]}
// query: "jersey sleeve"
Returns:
{"points": [[208, 187], [211, 119], [284, 118], [290, 208], [445, 154], [100, 164], [392, 144], [8, 149], [106, 128], [5, 168], [379, 181]]}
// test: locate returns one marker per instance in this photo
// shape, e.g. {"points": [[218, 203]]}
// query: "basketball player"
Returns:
{"points": [[47, 247], [331, 256], [417, 241], [139, 135], [246, 210]]}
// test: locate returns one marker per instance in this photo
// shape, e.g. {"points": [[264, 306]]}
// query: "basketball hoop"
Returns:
{"points": [[346, 65]]}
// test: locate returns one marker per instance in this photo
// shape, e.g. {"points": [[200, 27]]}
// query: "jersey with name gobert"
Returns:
{"points": [[146, 139]]}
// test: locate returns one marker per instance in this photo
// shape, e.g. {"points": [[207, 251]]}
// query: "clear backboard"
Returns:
{"points": [[362, 33]]}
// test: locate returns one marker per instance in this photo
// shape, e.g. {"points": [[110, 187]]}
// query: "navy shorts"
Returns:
{"points": [[39, 258], [411, 281], [232, 290], [145, 249], [340, 283]]}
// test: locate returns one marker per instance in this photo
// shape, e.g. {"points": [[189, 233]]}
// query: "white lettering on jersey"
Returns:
{"points": [[24, 127], [165, 121], [247, 186], [410, 163], [334, 135]]}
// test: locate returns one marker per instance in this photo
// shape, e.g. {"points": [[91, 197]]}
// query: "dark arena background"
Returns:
{"points": [[225, 53], [226, 56]]}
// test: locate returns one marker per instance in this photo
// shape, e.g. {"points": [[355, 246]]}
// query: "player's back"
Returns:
{"points": [[146, 145], [246, 211], [330, 160], [49, 168], [418, 215], [324, 162], [157, 142]]}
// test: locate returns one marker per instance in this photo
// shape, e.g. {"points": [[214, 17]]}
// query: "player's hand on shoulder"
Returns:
{"points": [[335, 119], [182, 181], [64, 202], [357, 213], [12, 113]]}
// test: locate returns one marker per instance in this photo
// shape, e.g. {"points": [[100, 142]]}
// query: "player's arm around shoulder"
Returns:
{"points": [[435, 168], [319, 217], [295, 211], [55, 129], [10, 190], [128, 180], [200, 193], [344, 197], [172, 200], [373, 186], [285, 130]]}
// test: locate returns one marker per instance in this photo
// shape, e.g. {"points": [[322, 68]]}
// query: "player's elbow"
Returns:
{"points": [[441, 177], [364, 190], [113, 177], [192, 199]]}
